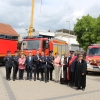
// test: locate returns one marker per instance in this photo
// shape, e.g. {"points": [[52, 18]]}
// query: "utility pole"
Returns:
{"points": [[68, 36]]}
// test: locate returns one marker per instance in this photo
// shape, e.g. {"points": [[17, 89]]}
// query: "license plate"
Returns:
{"points": [[96, 69]]}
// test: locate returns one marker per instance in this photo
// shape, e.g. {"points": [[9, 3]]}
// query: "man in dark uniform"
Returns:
{"points": [[50, 66], [72, 70], [42, 65], [15, 65], [8, 65], [36, 65], [46, 60], [29, 65]]}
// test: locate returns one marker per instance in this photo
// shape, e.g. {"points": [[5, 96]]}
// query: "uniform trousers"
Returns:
{"points": [[45, 74], [42, 71], [15, 69], [8, 72], [49, 73], [29, 73], [10, 68], [36, 71]]}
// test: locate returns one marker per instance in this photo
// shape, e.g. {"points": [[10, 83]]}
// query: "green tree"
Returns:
{"points": [[87, 30], [97, 30]]}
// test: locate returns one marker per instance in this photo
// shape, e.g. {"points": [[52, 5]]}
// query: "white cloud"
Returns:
{"points": [[53, 15]]}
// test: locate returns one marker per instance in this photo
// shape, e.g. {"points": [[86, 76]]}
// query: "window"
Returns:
{"points": [[31, 45], [94, 51]]}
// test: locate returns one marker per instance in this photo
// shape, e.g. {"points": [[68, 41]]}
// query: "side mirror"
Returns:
{"points": [[47, 44]]}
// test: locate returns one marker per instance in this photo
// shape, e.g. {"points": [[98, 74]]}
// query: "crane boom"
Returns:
{"points": [[30, 33]]}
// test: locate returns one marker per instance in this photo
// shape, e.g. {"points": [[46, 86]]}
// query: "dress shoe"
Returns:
{"points": [[51, 80], [78, 88], [13, 79], [41, 79], [27, 78], [83, 89], [45, 81], [34, 79], [37, 78]]}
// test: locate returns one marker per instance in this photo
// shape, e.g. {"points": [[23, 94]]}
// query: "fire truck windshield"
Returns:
{"points": [[31, 44], [93, 51]]}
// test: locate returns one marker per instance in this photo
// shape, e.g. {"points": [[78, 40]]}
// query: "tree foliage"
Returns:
{"points": [[87, 30]]}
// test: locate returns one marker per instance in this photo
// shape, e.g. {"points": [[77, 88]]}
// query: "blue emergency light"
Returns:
{"points": [[27, 37], [39, 37]]}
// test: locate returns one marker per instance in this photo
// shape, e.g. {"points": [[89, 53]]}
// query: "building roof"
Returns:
{"points": [[69, 38], [7, 30], [65, 31]]}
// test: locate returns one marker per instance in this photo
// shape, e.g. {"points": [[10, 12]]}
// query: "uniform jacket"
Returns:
{"points": [[8, 61], [36, 61], [50, 60], [44, 61], [29, 63], [15, 61]]}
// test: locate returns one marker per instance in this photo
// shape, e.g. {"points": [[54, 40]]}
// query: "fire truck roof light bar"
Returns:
{"points": [[95, 44], [27, 37]]}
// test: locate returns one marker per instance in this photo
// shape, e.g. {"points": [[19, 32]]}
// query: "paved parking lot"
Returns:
{"points": [[30, 90]]}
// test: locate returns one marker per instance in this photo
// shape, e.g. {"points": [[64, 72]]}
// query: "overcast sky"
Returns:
{"points": [[53, 14]]}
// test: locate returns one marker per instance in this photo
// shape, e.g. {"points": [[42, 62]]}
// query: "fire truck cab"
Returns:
{"points": [[32, 44], [93, 58]]}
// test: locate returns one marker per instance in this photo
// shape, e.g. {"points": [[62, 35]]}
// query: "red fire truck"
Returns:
{"points": [[93, 58], [7, 44], [32, 44], [8, 40]]}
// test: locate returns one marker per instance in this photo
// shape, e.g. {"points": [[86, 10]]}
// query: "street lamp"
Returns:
{"points": [[69, 26], [68, 36]]}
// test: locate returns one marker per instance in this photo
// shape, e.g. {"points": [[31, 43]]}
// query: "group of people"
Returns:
{"points": [[71, 70], [74, 70], [39, 64]]}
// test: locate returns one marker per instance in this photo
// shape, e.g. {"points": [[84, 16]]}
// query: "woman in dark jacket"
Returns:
{"points": [[80, 73]]}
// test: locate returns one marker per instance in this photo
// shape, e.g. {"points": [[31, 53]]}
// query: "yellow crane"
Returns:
{"points": [[32, 19], [30, 32]]}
